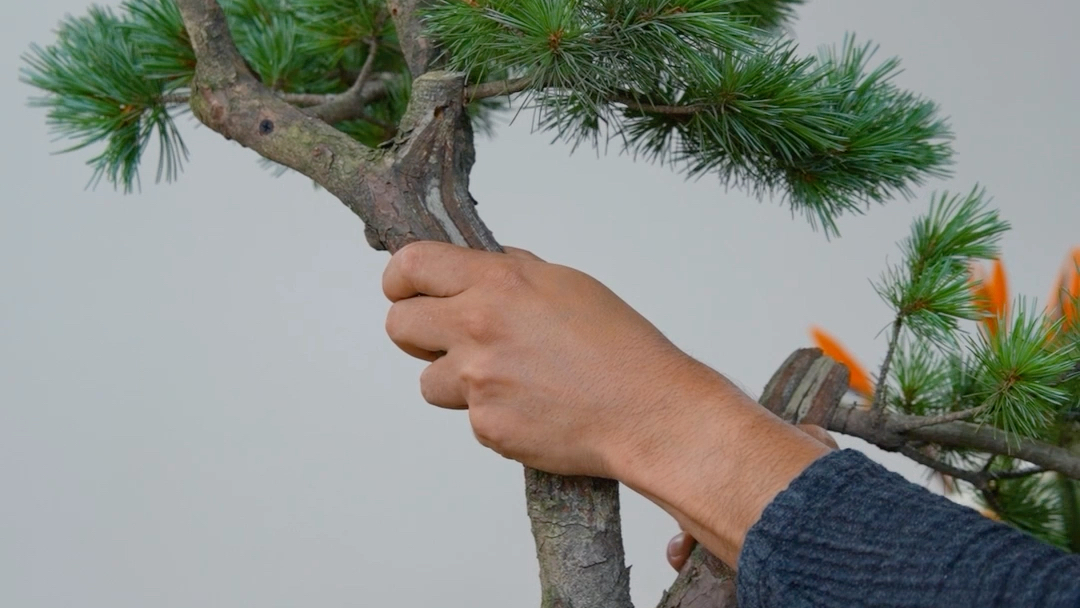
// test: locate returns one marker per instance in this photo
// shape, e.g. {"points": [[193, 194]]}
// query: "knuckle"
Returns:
{"points": [[509, 275], [479, 323], [409, 257], [479, 378]]}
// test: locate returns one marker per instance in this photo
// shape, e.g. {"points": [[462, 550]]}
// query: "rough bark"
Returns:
{"points": [[806, 389], [578, 532], [420, 53], [896, 431], [416, 187]]}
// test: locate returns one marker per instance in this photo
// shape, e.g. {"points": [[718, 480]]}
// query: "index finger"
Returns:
{"points": [[431, 268]]}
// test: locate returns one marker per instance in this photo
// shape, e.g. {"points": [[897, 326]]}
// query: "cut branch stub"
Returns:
{"points": [[421, 190], [805, 390]]}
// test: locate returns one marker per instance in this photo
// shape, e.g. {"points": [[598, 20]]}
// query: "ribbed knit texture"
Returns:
{"points": [[848, 533]]}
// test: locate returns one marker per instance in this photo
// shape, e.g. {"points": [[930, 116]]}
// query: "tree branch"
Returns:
{"points": [[415, 188], [374, 90], [899, 430], [980, 479], [1016, 474], [677, 111], [975, 478], [350, 103], [918, 422], [420, 53], [497, 88]]}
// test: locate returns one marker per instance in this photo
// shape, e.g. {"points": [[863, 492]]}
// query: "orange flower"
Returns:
{"points": [[1067, 291], [859, 379], [991, 294]]}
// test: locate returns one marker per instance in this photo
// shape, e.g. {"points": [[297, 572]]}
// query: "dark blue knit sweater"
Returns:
{"points": [[848, 533]]}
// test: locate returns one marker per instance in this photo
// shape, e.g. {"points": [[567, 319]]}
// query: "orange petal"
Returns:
{"points": [[999, 290], [981, 293], [1070, 296], [1055, 302], [859, 380]]}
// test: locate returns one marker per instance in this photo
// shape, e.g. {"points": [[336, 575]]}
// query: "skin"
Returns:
{"points": [[558, 373]]}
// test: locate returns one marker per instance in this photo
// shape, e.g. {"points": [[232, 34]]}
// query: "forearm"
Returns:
{"points": [[716, 461]]}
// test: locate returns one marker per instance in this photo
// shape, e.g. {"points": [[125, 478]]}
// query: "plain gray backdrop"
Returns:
{"points": [[198, 405]]}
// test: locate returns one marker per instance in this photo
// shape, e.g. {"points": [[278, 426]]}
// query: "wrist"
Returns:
{"points": [[714, 459]]}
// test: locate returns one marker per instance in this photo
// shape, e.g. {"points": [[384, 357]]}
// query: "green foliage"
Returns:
{"points": [[696, 84], [699, 84], [1022, 371], [1019, 373], [766, 14], [920, 380], [156, 29], [117, 105], [930, 290], [1032, 504], [119, 79]]}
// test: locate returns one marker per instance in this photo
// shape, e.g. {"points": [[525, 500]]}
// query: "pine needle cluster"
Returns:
{"points": [[121, 77], [1016, 368], [709, 86]]}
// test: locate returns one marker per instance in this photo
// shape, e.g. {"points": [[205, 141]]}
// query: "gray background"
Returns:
{"points": [[198, 405]]}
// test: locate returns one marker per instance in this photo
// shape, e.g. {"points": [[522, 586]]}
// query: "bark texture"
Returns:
{"points": [[578, 532], [806, 389], [416, 187], [896, 431]]}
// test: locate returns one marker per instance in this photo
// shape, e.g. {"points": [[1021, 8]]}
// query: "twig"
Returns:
{"points": [[1017, 474], [176, 98], [972, 477], [925, 421], [878, 404], [497, 88], [345, 106], [687, 110], [980, 479]]}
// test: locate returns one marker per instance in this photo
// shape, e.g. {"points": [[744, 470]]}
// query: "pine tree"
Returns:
{"points": [[377, 102]]}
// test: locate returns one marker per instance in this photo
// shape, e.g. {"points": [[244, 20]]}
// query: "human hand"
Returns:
{"points": [[682, 544], [556, 371]]}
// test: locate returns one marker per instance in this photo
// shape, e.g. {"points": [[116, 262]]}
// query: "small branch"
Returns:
{"points": [[973, 477], [1017, 474], [687, 110], [895, 431], [878, 404], [498, 88], [980, 479], [173, 99], [925, 421], [347, 105]]}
